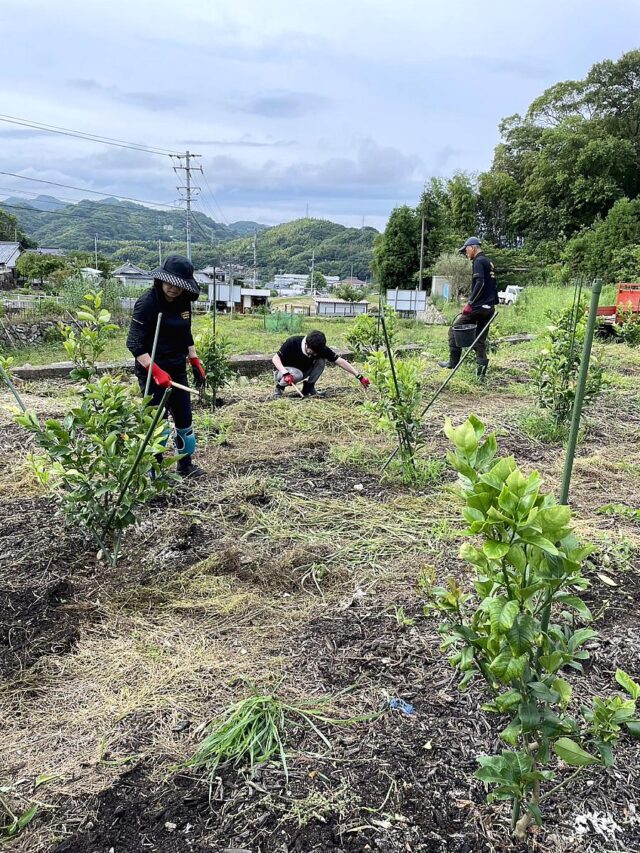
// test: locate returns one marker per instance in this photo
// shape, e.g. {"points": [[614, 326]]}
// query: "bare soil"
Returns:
{"points": [[109, 675]]}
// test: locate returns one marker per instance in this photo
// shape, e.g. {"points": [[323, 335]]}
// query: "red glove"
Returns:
{"points": [[467, 309], [363, 381], [288, 379], [161, 377], [199, 376]]}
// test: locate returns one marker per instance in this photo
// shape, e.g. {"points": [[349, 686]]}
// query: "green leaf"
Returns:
{"points": [[572, 753], [495, 550], [627, 683], [512, 732], [507, 668], [535, 812], [532, 537], [633, 727], [529, 716], [564, 689], [521, 634], [579, 637]]}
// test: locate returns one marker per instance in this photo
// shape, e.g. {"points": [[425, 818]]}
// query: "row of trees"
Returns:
{"points": [[561, 194]]}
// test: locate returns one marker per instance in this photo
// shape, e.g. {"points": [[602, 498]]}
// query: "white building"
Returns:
{"points": [[327, 306], [292, 281]]}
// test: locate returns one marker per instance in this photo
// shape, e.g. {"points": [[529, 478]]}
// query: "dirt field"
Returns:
{"points": [[287, 568]]}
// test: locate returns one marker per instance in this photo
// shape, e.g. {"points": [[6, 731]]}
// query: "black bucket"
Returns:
{"points": [[464, 335]]}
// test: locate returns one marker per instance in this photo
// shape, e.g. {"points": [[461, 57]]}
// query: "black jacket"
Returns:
{"points": [[291, 355], [484, 288], [175, 336]]}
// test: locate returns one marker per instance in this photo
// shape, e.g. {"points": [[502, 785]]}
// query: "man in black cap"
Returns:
{"points": [[174, 289], [480, 308]]}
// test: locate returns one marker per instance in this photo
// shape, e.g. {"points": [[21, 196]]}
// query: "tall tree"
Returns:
{"points": [[396, 252]]}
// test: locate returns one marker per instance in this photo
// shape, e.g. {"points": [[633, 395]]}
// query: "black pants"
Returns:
{"points": [[179, 402], [479, 318]]}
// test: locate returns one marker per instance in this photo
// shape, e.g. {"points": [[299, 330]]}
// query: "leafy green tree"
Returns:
{"points": [[456, 270], [463, 205], [349, 293], [32, 266], [319, 282], [396, 252]]}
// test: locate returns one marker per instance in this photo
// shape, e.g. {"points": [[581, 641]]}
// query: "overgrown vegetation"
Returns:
{"points": [[519, 630], [214, 352], [365, 335], [398, 406], [99, 459], [555, 369]]}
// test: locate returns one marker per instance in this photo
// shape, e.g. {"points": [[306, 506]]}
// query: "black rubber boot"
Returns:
{"points": [[309, 390], [186, 468], [481, 370], [278, 392], [454, 358]]}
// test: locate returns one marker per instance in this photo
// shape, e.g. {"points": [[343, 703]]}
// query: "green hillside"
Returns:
{"points": [[129, 231], [288, 248], [73, 226]]}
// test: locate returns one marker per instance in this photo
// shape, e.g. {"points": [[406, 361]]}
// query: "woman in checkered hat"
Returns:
{"points": [[174, 289]]}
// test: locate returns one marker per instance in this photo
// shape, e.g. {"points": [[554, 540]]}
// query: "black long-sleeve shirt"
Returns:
{"points": [[292, 355], [484, 288], [175, 336]]}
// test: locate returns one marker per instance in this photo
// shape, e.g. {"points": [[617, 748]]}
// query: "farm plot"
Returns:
{"points": [[298, 570]]}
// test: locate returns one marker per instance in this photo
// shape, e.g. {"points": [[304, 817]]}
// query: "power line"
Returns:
{"points": [[89, 137], [188, 188], [84, 190], [215, 201]]}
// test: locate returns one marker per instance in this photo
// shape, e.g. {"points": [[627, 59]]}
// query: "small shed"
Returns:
{"points": [[441, 287], [327, 306], [253, 297]]}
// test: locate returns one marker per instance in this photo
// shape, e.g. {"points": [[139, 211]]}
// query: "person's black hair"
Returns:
{"points": [[316, 340]]}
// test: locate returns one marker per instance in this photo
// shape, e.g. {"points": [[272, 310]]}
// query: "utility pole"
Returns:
{"points": [[95, 248], [188, 188], [255, 259], [160, 253], [313, 267]]}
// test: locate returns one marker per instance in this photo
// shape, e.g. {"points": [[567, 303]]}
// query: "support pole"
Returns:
{"points": [[12, 388], [153, 355], [580, 389]]}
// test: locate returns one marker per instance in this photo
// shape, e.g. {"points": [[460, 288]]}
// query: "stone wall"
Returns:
{"points": [[15, 335]]}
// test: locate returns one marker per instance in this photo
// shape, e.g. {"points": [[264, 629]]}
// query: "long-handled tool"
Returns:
{"points": [[186, 388]]}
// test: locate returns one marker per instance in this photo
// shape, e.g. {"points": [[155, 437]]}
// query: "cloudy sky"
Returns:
{"points": [[346, 106]]}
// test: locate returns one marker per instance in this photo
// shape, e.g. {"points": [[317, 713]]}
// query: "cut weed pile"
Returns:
{"points": [[297, 566]]}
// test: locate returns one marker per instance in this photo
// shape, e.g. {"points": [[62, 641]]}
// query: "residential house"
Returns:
{"points": [[9, 254], [50, 250], [130, 274]]}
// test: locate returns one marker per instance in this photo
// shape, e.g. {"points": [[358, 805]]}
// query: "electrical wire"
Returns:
{"points": [[89, 137], [84, 190]]}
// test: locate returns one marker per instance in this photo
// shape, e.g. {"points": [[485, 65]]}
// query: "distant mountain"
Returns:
{"points": [[74, 226], [40, 202], [129, 231]]}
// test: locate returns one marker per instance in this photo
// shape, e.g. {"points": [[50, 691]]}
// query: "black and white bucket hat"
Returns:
{"points": [[178, 271]]}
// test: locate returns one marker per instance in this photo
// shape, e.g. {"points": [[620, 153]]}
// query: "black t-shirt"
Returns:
{"points": [[484, 288], [175, 336], [291, 355]]}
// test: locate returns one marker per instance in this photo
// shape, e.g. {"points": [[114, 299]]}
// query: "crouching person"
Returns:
{"points": [[174, 289], [303, 359]]}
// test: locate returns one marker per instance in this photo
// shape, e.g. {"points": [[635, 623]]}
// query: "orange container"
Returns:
{"points": [[628, 295]]}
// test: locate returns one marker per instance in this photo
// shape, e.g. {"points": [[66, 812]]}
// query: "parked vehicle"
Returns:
{"points": [[510, 295]]}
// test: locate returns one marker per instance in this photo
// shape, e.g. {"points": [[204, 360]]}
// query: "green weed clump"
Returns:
{"points": [[256, 729]]}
